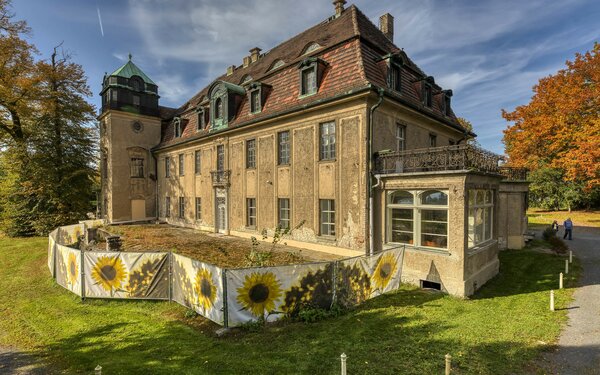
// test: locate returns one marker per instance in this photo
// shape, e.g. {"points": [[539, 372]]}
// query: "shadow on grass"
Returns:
{"points": [[16, 362]]}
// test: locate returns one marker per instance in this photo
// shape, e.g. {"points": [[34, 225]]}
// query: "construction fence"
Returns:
{"points": [[229, 297]]}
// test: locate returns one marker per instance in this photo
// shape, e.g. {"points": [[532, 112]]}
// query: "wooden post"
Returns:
{"points": [[551, 300], [570, 256], [566, 266], [448, 364], [343, 359], [560, 281]]}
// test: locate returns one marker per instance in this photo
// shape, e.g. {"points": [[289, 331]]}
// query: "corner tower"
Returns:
{"points": [[129, 127]]}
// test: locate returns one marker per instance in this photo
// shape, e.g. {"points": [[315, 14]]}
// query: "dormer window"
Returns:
{"points": [[257, 95], [245, 79], [311, 71], [219, 108], [446, 102], [177, 125], [255, 101], [394, 77], [426, 94], [201, 120], [311, 47], [276, 64]]}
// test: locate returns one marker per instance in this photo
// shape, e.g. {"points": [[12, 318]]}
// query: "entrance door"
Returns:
{"points": [[221, 215], [138, 209]]}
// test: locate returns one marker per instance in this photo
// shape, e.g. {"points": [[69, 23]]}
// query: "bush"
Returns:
{"points": [[548, 233], [309, 313], [558, 245]]}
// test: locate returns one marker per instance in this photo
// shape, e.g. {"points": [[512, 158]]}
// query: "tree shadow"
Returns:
{"points": [[17, 362]]}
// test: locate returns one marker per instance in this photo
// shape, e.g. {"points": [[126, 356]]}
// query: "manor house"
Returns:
{"points": [[335, 131]]}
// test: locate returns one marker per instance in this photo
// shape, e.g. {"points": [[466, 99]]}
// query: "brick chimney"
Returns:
{"points": [[339, 7], [254, 54], [386, 25]]}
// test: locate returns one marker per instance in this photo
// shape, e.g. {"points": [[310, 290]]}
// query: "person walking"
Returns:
{"points": [[555, 226], [568, 224]]}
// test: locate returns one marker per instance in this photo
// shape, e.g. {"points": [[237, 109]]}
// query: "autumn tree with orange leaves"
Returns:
{"points": [[559, 130]]}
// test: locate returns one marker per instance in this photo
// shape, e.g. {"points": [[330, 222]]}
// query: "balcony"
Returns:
{"points": [[462, 157], [220, 178], [514, 174]]}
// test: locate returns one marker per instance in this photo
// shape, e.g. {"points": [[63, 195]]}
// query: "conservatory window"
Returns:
{"points": [[481, 214]]}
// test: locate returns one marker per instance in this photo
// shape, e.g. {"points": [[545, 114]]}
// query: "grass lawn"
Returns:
{"points": [[499, 331], [539, 219]]}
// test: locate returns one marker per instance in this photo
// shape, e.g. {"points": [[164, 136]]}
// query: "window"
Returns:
{"points": [[427, 94], [418, 218], [201, 123], [220, 158], [284, 213], [219, 108], [481, 211], [137, 167], [136, 100], [135, 84], [432, 140], [278, 63], [168, 207], [198, 208], [283, 148], [255, 105], [181, 164], [327, 209], [113, 94], [197, 164], [251, 153], [181, 207], [400, 137], [394, 78], [327, 144], [251, 212], [309, 80], [167, 167], [177, 124], [447, 99]]}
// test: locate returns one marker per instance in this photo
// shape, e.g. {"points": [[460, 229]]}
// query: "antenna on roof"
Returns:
{"points": [[130, 56]]}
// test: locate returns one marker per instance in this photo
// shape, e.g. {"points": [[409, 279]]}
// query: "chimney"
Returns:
{"points": [[230, 70], [254, 54], [386, 25], [246, 61], [339, 7]]}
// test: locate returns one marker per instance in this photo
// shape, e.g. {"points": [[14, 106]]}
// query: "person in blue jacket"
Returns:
{"points": [[568, 224]]}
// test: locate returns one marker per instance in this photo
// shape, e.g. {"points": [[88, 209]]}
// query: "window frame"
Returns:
{"points": [[427, 94], [200, 119], [395, 77], [327, 210], [255, 107], [284, 223], [304, 85], [400, 138], [167, 206], [198, 162], [167, 166], [218, 108], [432, 140], [251, 213], [198, 208], [181, 164], [487, 217], [136, 171], [417, 207], [181, 208], [177, 131], [251, 153], [283, 148], [327, 152]]}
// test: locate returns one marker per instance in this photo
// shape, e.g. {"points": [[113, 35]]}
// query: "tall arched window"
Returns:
{"points": [[418, 218], [219, 108]]}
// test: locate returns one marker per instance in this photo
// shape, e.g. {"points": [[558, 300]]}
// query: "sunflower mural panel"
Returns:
{"points": [[353, 282], [127, 275], [68, 268], [385, 270], [69, 234], [271, 293], [51, 250], [198, 286]]}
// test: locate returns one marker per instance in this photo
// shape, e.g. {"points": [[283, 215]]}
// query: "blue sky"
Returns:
{"points": [[490, 53]]}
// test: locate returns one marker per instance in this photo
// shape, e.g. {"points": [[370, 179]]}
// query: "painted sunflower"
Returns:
{"points": [[259, 293], [72, 268], [205, 289], [109, 272], [386, 268]]}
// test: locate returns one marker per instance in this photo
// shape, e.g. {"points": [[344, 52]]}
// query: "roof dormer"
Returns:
{"points": [[225, 99]]}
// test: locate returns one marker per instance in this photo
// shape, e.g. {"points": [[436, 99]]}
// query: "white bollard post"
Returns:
{"points": [[570, 256], [560, 281], [98, 370], [551, 300], [343, 358], [448, 364], [566, 266]]}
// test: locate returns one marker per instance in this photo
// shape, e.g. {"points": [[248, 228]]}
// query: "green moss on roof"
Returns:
{"points": [[130, 69]]}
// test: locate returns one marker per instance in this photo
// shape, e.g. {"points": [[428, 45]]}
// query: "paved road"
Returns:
{"points": [[15, 362], [579, 344]]}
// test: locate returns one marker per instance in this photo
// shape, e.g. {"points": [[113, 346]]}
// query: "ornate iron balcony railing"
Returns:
{"points": [[220, 178], [514, 174], [447, 158]]}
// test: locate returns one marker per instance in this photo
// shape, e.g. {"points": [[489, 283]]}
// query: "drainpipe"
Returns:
{"points": [[156, 201], [370, 171]]}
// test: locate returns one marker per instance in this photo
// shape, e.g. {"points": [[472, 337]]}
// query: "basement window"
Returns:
{"points": [[426, 284]]}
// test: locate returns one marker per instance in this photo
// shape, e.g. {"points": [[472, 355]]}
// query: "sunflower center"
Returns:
{"points": [[205, 288], [259, 293], [73, 268], [108, 272], [385, 270]]}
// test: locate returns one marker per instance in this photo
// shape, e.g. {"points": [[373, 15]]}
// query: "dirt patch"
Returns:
{"points": [[220, 250]]}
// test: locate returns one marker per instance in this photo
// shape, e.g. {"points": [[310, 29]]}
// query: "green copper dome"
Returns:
{"points": [[130, 69]]}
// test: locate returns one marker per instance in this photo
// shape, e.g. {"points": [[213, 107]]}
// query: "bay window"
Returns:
{"points": [[481, 211]]}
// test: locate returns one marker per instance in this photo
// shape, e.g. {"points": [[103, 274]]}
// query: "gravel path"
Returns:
{"points": [[578, 350], [15, 362]]}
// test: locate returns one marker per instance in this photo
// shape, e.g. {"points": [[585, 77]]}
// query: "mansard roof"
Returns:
{"points": [[354, 50]]}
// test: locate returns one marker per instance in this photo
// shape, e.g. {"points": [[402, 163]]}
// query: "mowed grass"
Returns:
{"points": [[499, 331], [539, 218]]}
